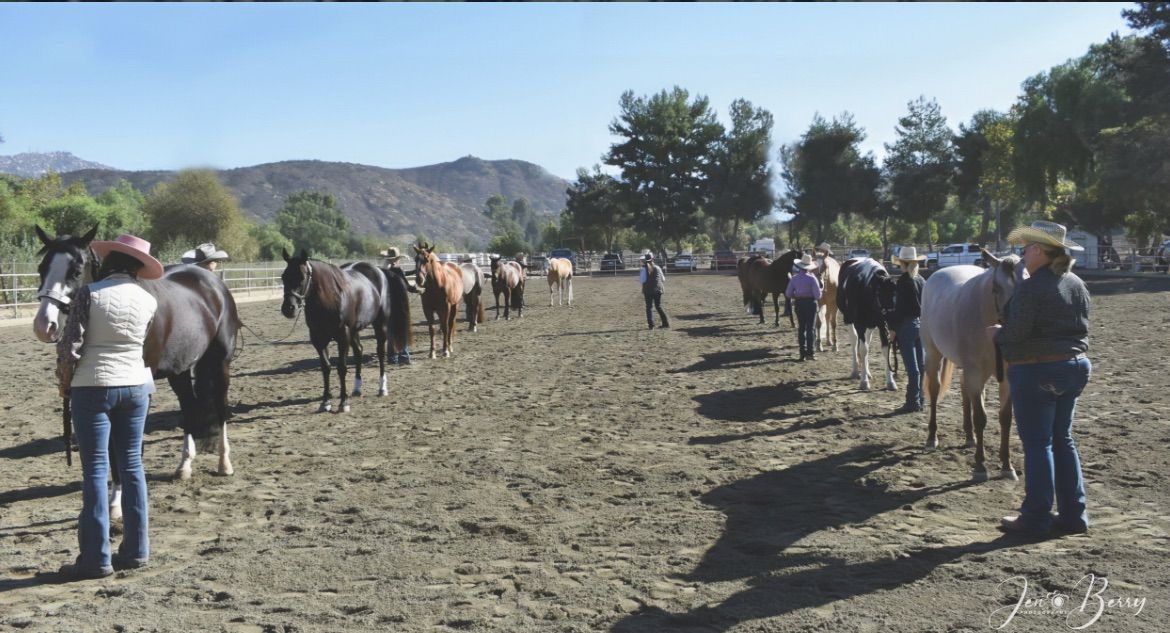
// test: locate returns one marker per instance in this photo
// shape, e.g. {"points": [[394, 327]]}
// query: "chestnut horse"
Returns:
{"points": [[339, 303], [766, 277], [441, 284], [827, 272], [560, 274], [189, 342], [958, 304]]}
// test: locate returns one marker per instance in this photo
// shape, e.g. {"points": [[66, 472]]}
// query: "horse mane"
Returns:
{"points": [[328, 284]]}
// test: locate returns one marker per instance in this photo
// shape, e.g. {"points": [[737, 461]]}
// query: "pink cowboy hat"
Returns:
{"points": [[135, 247]]}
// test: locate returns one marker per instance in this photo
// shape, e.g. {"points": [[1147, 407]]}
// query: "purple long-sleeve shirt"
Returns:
{"points": [[803, 286]]}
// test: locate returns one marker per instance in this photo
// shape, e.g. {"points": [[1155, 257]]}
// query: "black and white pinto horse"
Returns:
{"points": [[857, 298], [190, 342], [339, 303]]}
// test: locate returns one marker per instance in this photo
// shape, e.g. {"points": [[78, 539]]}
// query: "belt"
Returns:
{"points": [[1052, 358]]}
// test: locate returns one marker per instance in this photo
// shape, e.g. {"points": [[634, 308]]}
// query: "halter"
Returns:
{"points": [[62, 299], [304, 290]]}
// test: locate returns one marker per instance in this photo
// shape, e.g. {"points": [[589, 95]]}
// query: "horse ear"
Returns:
{"points": [[45, 239], [989, 259], [284, 253], [88, 237], [305, 254]]}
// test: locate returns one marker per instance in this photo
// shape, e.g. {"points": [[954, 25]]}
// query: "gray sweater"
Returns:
{"points": [[1047, 316]]}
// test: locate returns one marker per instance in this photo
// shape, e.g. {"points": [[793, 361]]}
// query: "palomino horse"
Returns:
{"points": [[958, 304], [441, 284], [857, 299], [560, 274], [190, 342], [339, 303], [508, 280], [827, 272], [473, 295], [766, 277]]}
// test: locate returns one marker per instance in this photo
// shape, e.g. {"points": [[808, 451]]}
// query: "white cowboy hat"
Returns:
{"points": [[646, 257], [135, 247], [203, 253], [1043, 232], [908, 254], [805, 263], [391, 254]]}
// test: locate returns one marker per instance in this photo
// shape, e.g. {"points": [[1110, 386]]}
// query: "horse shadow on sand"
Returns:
{"points": [[769, 513], [733, 359]]}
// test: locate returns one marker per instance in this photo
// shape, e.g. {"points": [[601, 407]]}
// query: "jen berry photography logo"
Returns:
{"points": [[1079, 608]]}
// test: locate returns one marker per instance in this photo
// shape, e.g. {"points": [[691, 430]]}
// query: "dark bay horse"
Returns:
{"points": [[190, 342], [766, 277], [398, 332], [858, 287], [508, 280], [741, 268], [441, 284], [339, 303]]}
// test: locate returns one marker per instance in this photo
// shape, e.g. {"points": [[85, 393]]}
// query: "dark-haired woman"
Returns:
{"points": [[100, 369]]}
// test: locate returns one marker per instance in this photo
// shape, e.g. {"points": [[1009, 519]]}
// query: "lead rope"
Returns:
{"points": [[296, 318]]}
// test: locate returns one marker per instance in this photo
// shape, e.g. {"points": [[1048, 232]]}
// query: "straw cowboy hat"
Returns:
{"points": [[1043, 232], [825, 248], [135, 247], [908, 254], [206, 252], [391, 254], [805, 263]]}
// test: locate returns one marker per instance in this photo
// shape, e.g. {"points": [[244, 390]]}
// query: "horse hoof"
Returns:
{"points": [[382, 392], [446, 354], [325, 408], [891, 387], [356, 392], [227, 471], [343, 409], [969, 444], [183, 474], [979, 475], [1009, 474], [932, 442], [115, 512], [433, 355], [865, 386]]}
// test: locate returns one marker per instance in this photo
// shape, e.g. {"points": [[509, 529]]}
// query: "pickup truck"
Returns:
{"points": [[954, 255]]}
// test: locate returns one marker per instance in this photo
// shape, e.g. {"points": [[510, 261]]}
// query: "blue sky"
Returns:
{"points": [[165, 86]]}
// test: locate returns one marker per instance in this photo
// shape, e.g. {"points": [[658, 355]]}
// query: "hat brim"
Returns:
{"points": [[803, 266], [919, 259], [151, 267], [1027, 234]]}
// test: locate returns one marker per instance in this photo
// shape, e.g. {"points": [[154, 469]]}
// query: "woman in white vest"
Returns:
{"points": [[100, 369]]}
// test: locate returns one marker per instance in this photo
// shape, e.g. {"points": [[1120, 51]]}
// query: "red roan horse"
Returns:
{"points": [[442, 288], [339, 303], [190, 342]]}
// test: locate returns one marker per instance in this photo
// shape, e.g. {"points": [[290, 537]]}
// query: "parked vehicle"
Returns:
{"points": [[954, 255], [724, 260], [681, 262], [765, 245], [611, 262], [857, 253], [565, 253]]}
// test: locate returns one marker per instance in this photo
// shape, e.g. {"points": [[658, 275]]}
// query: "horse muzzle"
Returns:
{"points": [[289, 307], [45, 323]]}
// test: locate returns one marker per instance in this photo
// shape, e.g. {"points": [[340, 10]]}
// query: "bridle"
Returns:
{"points": [[305, 285], [62, 299]]}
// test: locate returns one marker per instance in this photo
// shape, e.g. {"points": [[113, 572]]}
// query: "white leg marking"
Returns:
{"points": [[184, 471], [853, 339], [357, 386], [385, 388], [863, 364], [890, 384], [225, 453], [116, 502]]}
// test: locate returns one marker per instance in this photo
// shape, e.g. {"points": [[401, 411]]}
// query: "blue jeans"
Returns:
{"points": [[654, 302], [806, 323], [99, 414], [913, 358], [1044, 399], [402, 357]]}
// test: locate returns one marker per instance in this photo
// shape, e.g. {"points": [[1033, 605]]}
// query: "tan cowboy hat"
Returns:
{"points": [[805, 263], [1043, 232], [391, 254], [135, 247], [908, 254], [206, 252], [824, 246]]}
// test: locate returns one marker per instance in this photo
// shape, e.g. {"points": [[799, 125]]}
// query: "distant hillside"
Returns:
{"points": [[442, 201], [33, 164]]}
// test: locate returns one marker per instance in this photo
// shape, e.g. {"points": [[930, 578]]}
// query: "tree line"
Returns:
{"points": [[1087, 143]]}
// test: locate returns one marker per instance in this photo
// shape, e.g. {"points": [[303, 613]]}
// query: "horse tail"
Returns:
{"points": [[398, 325], [481, 314], [944, 379]]}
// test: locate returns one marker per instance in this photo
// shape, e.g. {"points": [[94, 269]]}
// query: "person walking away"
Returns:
{"points": [[392, 256], [1043, 339], [205, 255], [653, 284], [906, 321], [805, 291], [100, 369]]}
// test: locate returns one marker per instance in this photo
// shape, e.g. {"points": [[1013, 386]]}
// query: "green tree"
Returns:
{"points": [[124, 210], [741, 173], [665, 157], [509, 245], [312, 221], [597, 205], [984, 174], [269, 241], [920, 162], [827, 175], [196, 207], [76, 214]]}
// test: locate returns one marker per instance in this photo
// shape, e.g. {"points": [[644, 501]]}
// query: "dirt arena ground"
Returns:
{"points": [[573, 471]]}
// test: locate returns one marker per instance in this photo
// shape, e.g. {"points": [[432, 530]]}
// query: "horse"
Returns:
{"points": [[190, 341], [398, 333], [560, 274], [741, 268], [473, 295], [441, 284], [338, 302], [766, 277], [508, 280], [827, 273], [858, 285], [958, 304]]}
